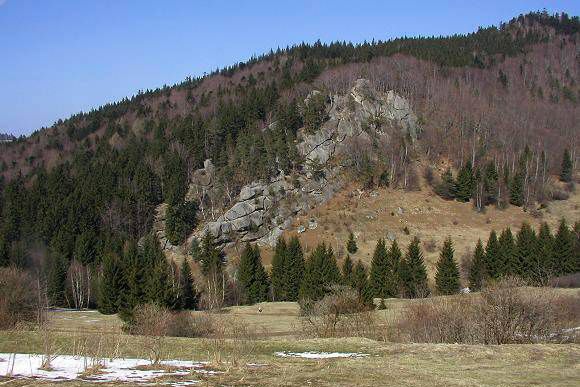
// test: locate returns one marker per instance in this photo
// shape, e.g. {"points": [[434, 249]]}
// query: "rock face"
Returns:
{"points": [[264, 209]]}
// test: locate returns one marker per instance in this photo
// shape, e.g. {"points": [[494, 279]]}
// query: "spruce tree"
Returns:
{"points": [[351, 246], [295, 269], [321, 273], [187, 293], [280, 271], [447, 276], [413, 272], [347, 276], [394, 280], [159, 282], [465, 182], [361, 285], [493, 258], [135, 271], [447, 189], [517, 190], [545, 263], [110, 285], [566, 172], [379, 275], [56, 281], [564, 258], [252, 276], [490, 183], [477, 272], [507, 260], [526, 252]]}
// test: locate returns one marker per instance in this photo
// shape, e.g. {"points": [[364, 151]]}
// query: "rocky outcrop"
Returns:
{"points": [[264, 209]]}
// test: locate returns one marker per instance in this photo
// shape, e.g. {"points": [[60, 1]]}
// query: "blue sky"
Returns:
{"points": [[58, 57]]}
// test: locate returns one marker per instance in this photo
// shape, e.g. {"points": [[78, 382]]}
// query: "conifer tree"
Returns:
{"points": [[361, 285], [351, 246], [526, 252], [566, 172], [252, 276], [477, 272], [187, 293], [447, 276], [379, 275], [135, 271], [493, 259], [447, 189], [564, 258], [413, 272], [394, 280], [545, 264], [506, 253], [465, 182], [321, 273], [295, 269], [280, 271], [110, 285], [347, 275], [517, 190], [490, 183], [56, 281], [159, 282]]}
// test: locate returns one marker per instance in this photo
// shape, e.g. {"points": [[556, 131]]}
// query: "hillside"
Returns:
{"points": [[248, 152]]}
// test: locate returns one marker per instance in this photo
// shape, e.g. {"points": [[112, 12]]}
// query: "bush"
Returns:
{"points": [[341, 313], [504, 313], [19, 298]]}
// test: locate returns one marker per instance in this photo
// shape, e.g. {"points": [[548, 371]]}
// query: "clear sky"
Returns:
{"points": [[59, 57]]}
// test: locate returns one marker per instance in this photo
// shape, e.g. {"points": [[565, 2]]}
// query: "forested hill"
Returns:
{"points": [[89, 183]]}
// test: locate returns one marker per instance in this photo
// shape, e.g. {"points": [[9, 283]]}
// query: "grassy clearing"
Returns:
{"points": [[402, 364], [388, 363]]}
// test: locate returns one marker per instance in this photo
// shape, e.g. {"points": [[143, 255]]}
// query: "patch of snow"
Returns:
{"points": [[67, 367], [321, 355]]}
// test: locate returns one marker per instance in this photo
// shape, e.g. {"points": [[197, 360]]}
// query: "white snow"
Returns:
{"points": [[320, 355], [67, 367]]}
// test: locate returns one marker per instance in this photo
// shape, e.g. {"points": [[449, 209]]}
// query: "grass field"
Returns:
{"points": [[278, 329]]}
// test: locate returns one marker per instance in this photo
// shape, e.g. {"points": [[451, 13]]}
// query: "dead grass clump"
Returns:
{"points": [[340, 313], [152, 322], [430, 245], [232, 342], [503, 313]]}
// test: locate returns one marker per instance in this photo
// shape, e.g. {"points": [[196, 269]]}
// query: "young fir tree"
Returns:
{"points": [[413, 272], [56, 280], [566, 172], [493, 259], [517, 190], [295, 269], [135, 271], [446, 188], [526, 252], [490, 183], [351, 246], [347, 276], [252, 276], [545, 264], [379, 275], [447, 276], [279, 273], [159, 282], [187, 292], [321, 273], [564, 258], [477, 272], [110, 285], [465, 182], [361, 284], [506, 253], [394, 280]]}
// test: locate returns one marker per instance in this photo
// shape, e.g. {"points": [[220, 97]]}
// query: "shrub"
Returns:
{"points": [[19, 298], [341, 313], [504, 313]]}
